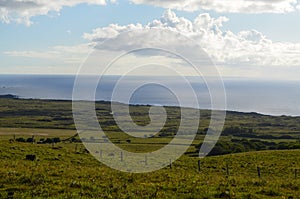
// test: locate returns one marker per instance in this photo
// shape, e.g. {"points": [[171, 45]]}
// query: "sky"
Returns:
{"points": [[244, 38]]}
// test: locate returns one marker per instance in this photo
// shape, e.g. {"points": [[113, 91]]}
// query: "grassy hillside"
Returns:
{"points": [[242, 131], [66, 170], [58, 114], [60, 172]]}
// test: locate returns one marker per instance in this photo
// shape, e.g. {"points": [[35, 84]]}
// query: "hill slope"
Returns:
{"points": [[60, 172]]}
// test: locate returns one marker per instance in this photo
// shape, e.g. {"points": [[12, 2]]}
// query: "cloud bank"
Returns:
{"points": [[227, 6], [20, 11], [246, 48], [246, 53]]}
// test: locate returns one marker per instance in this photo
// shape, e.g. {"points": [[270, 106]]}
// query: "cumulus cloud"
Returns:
{"points": [[247, 48], [21, 11], [227, 6]]}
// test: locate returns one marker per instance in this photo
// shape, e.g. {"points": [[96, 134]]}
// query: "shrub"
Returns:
{"points": [[30, 157], [56, 140], [48, 141], [30, 140], [20, 140]]}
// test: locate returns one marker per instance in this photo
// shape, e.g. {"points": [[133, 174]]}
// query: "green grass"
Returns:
{"points": [[66, 170], [50, 114], [60, 172], [8, 133]]}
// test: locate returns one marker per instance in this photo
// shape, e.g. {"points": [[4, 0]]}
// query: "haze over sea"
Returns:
{"points": [[244, 95]]}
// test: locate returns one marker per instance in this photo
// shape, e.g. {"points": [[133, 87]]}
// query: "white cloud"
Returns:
{"points": [[227, 6], [246, 48], [21, 11]]}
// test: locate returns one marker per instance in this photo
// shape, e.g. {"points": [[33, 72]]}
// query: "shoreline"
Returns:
{"points": [[11, 96]]}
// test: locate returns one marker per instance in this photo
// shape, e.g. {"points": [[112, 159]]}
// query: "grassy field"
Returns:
{"points": [[66, 170], [51, 114], [254, 131], [60, 172]]}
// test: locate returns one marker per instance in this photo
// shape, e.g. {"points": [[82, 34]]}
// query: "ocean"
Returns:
{"points": [[245, 95]]}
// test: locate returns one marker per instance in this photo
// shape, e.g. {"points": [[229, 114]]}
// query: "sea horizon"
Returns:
{"points": [[269, 97]]}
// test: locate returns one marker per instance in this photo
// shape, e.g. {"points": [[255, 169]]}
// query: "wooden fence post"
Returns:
{"points": [[53, 142], [258, 172], [199, 165], [227, 169]]}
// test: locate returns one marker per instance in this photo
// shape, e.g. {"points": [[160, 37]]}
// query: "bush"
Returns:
{"points": [[20, 140], [30, 140], [56, 140], [244, 145], [31, 157], [48, 141]]}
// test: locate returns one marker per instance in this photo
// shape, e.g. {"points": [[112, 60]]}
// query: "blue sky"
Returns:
{"points": [[29, 41]]}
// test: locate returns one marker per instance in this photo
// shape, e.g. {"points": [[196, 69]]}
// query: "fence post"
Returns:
{"points": [[227, 169], [199, 165], [146, 160], [121, 156], [258, 172], [53, 142], [170, 164]]}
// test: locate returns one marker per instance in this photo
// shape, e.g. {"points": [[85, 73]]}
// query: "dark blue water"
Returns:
{"points": [[267, 97]]}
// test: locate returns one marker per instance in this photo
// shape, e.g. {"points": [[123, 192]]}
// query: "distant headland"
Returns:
{"points": [[9, 96]]}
